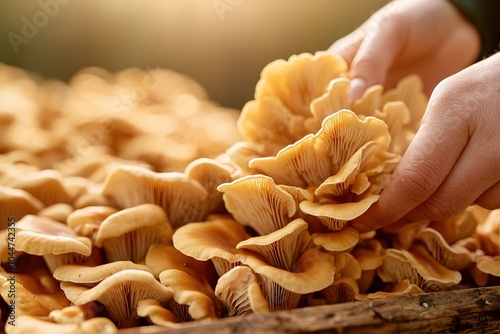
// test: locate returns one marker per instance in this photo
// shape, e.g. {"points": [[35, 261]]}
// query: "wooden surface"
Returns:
{"points": [[459, 311]]}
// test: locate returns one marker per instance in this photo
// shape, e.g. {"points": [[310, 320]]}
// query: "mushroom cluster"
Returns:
{"points": [[160, 219]]}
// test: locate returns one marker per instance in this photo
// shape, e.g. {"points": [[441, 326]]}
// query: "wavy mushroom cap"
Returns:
{"points": [[29, 324], [91, 276], [452, 257], [489, 233], [182, 198], [403, 288], [58, 212], [157, 314], [256, 201], [338, 241], [419, 267], [215, 240], [120, 294], [127, 234], [456, 228], [239, 289]]}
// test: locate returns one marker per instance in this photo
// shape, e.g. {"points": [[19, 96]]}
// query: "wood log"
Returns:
{"points": [[459, 311]]}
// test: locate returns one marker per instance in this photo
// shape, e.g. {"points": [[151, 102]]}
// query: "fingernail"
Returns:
{"points": [[358, 86]]}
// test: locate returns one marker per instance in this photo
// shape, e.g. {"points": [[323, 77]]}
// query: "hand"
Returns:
{"points": [[454, 159], [425, 37]]}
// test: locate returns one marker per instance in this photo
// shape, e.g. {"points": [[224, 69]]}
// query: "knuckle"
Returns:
{"points": [[439, 210], [420, 183]]}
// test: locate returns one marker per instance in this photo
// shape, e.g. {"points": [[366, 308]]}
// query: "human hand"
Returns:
{"points": [[425, 37], [454, 159]]}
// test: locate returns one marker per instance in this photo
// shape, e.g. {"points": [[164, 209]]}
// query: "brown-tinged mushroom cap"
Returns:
{"points": [[16, 203], [237, 157], [120, 293], [56, 242], [402, 288], [86, 221], [91, 276], [215, 240], [314, 158], [29, 324], [30, 296], [258, 202], [337, 241], [314, 270], [157, 314], [396, 115], [190, 292], [489, 265], [343, 290], [239, 289], [281, 248], [455, 258], [489, 233], [127, 234], [336, 216], [346, 265], [402, 234], [419, 267], [45, 185], [182, 198]]}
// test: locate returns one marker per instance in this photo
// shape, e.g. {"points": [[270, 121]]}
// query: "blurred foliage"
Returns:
{"points": [[223, 44]]}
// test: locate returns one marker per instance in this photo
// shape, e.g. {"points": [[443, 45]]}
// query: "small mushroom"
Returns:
{"points": [[29, 324], [157, 314], [86, 221], [120, 294], [127, 234], [16, 203], [239, 289], [403, 288], [58, 212]]}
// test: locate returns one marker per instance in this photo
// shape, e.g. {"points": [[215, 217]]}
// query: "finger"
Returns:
{"points": [[426, 164], [473, 174], [490, 199], [384, 40], [348, 46]]}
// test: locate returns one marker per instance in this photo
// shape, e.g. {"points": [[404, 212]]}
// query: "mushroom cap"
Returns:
{"points": [[29, 324], [419, 267], [258, 202], [58, 212], [214, 238], [314, 158], [239, 289], [458, 227], [337, 241], [369, 254], [86, 221], [182, 198], [346, 265], [489, 265], [156, 314], [41, 236], [91, 276], [16, 203], [455, 258], [282, 247], [191, 292], [120, 292], [313, 271], [402, 288], [343, 290]]}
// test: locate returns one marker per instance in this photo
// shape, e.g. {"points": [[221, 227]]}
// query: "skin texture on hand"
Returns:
{"points": [[454, 159], [427, 37]]}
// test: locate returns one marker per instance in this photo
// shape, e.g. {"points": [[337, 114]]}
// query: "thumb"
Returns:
{"points": [[384, 40]]}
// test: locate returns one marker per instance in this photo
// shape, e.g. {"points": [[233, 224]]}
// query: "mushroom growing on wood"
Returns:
{"points": [[127, 234], [157, 314]]}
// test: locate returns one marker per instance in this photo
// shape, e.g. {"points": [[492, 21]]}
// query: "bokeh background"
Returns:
{"points": [[223, 44]]}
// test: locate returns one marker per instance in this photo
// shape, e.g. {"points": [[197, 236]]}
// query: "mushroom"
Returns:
{"points": [[456, 228], [91, 276], [452, 257], [419, 267], [120, 294], [16, 203], [191, 294], [370, 255], [489, 233], [402, 288], [29, 296], [58, 212], [56, 242], [86, 221], [127, 234], [157, 314], [29, 324], [256, 201], [215, 240], [182, 198], [239, 289]]}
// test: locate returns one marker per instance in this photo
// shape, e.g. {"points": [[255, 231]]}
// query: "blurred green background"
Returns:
{"points": [[223, 44]]}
